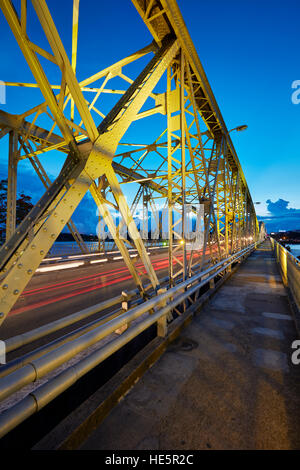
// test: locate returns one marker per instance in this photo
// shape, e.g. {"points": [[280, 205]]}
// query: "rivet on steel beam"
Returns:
{"points": [[42, 252], [20, 265], [16, 291], [5, 287], [33, 247], [1, 315], [29, 271], [53, 235], [45, 229]]}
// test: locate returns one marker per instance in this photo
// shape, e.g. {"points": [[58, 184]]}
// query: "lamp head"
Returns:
{"points": [[241, 128]]}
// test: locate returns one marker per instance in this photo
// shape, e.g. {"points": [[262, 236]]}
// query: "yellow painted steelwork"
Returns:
{"points": [[195, 161]]}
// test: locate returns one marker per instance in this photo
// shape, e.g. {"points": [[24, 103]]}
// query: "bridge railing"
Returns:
{"points": [[128, 325], [289, 268]]}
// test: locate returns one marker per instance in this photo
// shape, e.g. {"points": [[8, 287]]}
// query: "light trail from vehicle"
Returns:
{"points": [[85, 284]]}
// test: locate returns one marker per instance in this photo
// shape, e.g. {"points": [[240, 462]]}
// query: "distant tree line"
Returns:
{"points": [[23, 207], [68, 237], [290, 236]]}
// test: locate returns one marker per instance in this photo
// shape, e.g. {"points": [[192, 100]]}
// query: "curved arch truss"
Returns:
{"points": [[191, 162]]}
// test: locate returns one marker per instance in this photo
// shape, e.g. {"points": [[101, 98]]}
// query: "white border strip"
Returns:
{"points": [[62, 266], [98, 261]]}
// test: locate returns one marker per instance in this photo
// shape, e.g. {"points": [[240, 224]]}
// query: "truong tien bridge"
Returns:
{"points": [[157, 343]]}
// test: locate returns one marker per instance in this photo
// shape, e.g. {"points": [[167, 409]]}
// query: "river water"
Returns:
{"points": [[61, 248], [295, 249], [71, 248]]}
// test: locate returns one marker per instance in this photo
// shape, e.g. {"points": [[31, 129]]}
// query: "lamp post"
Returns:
{"points": [[241, 128]]}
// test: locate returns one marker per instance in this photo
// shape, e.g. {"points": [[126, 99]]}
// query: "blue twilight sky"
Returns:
{"points": [[249, 51]]}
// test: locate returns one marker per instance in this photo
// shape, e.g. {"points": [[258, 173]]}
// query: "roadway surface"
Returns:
{"points": [[228, 381], [55, 292]]}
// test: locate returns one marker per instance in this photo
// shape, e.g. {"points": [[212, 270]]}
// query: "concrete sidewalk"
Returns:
{"points": [[226, 383]]}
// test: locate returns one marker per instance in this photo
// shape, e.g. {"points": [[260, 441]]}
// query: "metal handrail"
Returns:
{"points": [[23, 339], [290, 270], [53, 359], [49, 362], [288, 253], [18, 341]]}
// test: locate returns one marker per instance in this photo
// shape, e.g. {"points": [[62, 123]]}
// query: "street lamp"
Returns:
{"points": [[241, 128]]}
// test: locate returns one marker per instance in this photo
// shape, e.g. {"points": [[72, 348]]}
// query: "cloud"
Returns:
{"points": [[280, 216], [84, 216], [27, 182], [280, 207]]}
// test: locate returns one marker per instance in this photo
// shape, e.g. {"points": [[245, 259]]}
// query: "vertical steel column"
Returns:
{"points": [[12, 184], [212, 195], [233, 230], [145, 229], [183, 171], [170, 186], [226, 201]]}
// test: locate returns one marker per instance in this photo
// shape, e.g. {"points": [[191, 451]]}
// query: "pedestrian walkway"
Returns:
{"points": [[226, 383]]}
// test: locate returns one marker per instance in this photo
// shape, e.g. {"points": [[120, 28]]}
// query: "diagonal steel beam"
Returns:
{"points": [[95, 160], [36, 164]]}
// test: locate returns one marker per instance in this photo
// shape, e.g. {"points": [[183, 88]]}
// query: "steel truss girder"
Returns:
{"points": [[94, 157], [163, 17], [207, 171]]}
